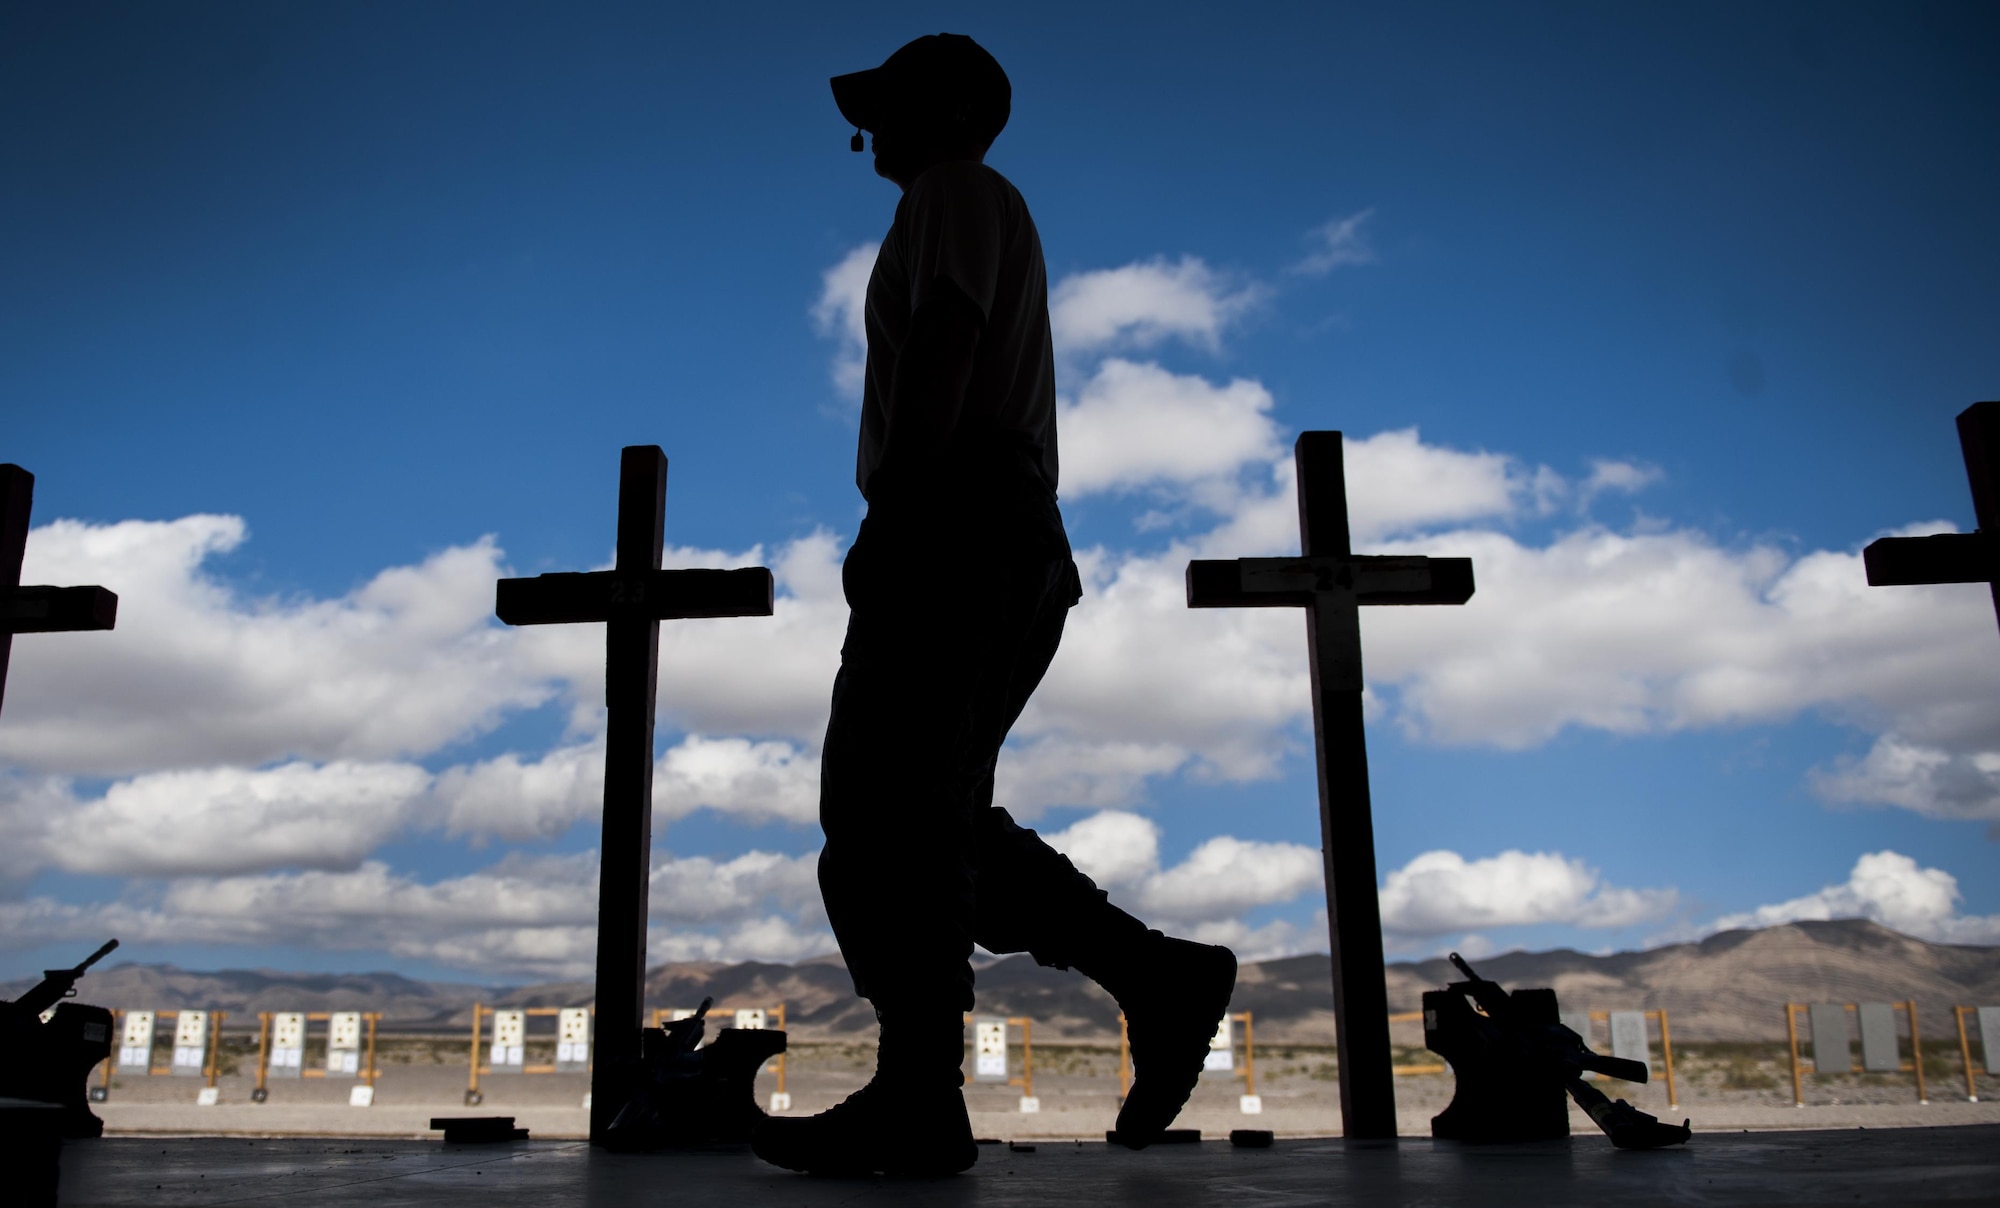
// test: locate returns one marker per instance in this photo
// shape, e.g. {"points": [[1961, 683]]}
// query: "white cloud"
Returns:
{"points": [[1219, 881], [224, 820], [1396, 485], [266, 747], [1053, 770], [1134, 424], [532, 916], [1226, 876], [1279, 937], [751, 781], [1625, 477], [196, 674], [509, 798], [1665, 631], [1138, 667], [1439, 892], [228, 820], [1891, 889], [841, 313], [1337, 244], [1112, 847], [695, 890], [1927, 779], [1144, 304]]}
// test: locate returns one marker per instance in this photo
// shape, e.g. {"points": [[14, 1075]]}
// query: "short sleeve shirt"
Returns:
{"points": [[961, 221]]}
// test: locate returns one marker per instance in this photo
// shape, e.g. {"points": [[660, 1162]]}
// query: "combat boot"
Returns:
{"points": [[909, 1120], [1174, 994]]}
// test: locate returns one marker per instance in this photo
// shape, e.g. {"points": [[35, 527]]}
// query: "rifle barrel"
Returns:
{"points": [[96, 956]]}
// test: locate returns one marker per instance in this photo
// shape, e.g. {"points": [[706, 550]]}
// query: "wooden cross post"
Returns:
{"points": [[1331, 583], [1953, 557], [37, 609], [633, 597]]}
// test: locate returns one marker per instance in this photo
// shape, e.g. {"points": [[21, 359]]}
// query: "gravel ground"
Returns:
{"points": [[1729, 1089]]}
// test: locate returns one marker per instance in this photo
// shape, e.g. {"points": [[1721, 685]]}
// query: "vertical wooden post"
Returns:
{"points": [[781, 1056], [215, 1019], [369, 1075], [1667, 1052], [1792, 1034], [17, 500], [631, 678], [472, 1082], [1347, 828], [1916, 1051], [263, 1050], [111, 1061], [1965, 1053], [1979, 440], [1249, 1056]]}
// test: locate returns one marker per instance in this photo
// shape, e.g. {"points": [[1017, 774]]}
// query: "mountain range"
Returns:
{"points": [[1729, 986]]}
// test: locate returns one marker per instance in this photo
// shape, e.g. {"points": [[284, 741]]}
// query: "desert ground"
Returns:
{"points": [[1720, 1087]]}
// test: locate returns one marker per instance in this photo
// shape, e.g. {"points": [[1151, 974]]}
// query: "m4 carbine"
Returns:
{"points": [[1535, 1046], [58, 984]]}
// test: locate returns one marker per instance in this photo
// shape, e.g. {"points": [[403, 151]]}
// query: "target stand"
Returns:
{"points": [[350, 1050], [990, 1059], [506, 1051], [197, 1038]]}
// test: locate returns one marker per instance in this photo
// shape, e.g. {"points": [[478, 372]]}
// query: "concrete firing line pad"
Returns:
{"points": [[1859, 1166]]}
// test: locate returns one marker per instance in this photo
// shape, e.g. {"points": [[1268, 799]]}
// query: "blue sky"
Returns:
{"points": [[1659, 312]]}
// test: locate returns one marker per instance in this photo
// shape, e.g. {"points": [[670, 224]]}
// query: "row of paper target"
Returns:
{"points": [[506, 1052], [139, 1037]]}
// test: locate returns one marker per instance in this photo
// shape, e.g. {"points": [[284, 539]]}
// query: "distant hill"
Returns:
{"points": [[1730, 986]]}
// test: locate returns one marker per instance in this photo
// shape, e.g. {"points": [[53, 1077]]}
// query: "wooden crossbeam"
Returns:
{"points": [[37, 609], [1331, 583], [661, 595], [1953, 557]]}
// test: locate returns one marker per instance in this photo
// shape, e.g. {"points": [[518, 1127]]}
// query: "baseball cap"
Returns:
{"points": [[934, 72]]}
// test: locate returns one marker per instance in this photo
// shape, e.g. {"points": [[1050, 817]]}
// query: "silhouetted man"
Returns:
{"points": [[959, 583]]}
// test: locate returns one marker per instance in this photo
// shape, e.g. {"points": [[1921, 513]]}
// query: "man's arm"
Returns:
{"points": [[933, 373]]}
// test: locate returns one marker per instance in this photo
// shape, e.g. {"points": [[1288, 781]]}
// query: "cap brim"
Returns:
{"points": [[859, 95]]}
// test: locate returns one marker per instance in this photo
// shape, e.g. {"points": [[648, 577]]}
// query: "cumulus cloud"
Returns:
{"points": [[1439, 892], [1135, 424], [1219, 880], [1893, 890], [261, 750], [1144, 304], [841, 313], [1111, 847], [225, 820], [1666, 631], [1624, 477], [751, 781], [1225, 876], [1053, 769], [529, 916], [1337, 244], [198, 674]]}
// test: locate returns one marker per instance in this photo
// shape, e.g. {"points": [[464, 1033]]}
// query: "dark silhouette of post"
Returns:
{"points": [[633, 597], [37, 609], [1953, 557], [1331, 583]]}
